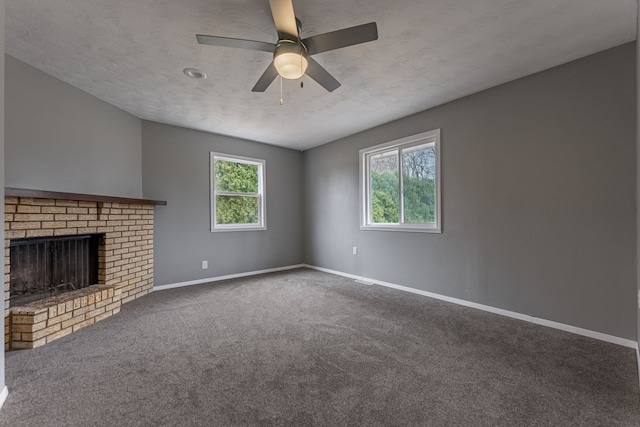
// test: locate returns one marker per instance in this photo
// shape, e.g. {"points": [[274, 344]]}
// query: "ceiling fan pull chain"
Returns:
{"points": [[281, 100], [301, 67]]}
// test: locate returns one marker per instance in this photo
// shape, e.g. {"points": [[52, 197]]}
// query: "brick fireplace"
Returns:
{"points": [[125, 259]]}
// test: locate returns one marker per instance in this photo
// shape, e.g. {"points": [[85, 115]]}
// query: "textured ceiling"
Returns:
{"points": [[131, 53]]}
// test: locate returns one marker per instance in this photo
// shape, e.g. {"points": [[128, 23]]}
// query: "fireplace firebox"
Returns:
{"points": [[44, 267]]}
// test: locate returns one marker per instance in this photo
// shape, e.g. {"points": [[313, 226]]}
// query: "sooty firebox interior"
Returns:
{"points": [[43, 267]]}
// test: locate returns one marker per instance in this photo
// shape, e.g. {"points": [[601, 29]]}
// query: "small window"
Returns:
{"points": [[237, 193], [400, 185]]}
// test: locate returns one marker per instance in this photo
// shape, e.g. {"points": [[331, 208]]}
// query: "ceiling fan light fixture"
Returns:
{"points": [[290, 59]]}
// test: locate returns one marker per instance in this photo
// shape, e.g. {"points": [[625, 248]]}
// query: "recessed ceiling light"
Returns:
{"points": [[194, 73]]}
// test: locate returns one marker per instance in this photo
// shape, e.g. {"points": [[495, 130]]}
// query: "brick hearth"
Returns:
{"points": [[125, 264]]}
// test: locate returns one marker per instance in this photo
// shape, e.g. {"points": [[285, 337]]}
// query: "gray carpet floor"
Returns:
{"points": [[304, 348]]}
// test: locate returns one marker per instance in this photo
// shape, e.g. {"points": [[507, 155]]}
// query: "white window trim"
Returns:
{"points": [[430, 137], [262, 189]]}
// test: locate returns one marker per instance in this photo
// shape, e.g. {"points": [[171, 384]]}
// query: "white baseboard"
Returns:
{"points": [[227, 277], [551, 324], [3, 395]]}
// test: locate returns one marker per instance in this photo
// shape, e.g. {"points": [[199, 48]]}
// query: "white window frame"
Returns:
{"points": [[262, 209], [430, 138]]}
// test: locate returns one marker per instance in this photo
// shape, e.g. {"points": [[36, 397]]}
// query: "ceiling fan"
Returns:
{"points": [[292, 55]]}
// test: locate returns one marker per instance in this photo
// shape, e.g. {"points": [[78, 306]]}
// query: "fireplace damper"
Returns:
{"points": [[43, 267]]}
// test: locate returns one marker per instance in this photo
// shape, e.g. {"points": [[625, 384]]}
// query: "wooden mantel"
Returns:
{"points": [[43, 194]]}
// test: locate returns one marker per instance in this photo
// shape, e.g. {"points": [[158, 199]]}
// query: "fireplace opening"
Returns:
{"points": [[44, 267]]}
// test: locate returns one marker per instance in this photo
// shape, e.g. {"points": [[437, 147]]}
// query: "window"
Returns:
{"points": [[237, 193], [400, 184]]}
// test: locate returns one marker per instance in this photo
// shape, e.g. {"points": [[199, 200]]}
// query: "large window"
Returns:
{"points": [[237, 193], [400, 184]]}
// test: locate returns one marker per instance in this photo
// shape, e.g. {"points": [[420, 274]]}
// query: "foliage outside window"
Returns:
{"points": [[400, 184], [237, 199]]}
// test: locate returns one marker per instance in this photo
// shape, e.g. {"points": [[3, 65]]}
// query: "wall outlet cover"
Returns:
{"points": [[205, 265]]}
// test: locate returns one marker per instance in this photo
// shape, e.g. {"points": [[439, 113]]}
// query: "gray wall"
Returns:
{"points": [[176, 169], [638, 180], [538, 191], [2, 162], [63, 139]]}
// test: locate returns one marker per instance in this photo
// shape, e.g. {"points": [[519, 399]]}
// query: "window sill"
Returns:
{"points": [[237, 228], [405, 228]]}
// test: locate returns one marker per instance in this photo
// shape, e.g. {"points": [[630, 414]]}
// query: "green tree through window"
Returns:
{"points": [[418, 179], [418, 186], [384, 187]]}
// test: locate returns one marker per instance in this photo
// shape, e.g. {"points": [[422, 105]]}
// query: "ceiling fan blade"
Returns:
{"points": [[341, 38], [239, 43], [284, 18], [322, 76], [266, 79]]}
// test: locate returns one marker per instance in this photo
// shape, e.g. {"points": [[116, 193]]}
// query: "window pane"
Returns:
{"points": [[236, 177], [383, 170], [418, 184], [236, 210]]}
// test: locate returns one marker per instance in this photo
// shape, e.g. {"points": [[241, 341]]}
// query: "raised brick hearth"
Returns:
{"points": [[125, 263], [43, 321]]}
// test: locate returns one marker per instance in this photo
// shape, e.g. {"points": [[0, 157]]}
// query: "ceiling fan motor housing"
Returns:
{"points": [[290, 59]]}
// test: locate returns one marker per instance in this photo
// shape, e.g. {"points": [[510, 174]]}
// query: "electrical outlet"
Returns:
{"points": [[355, 250], [205, 265]]}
